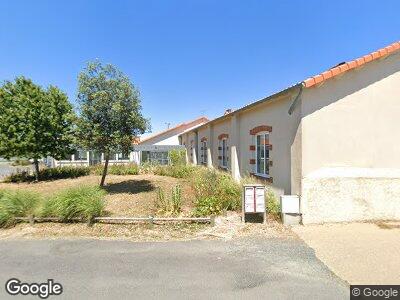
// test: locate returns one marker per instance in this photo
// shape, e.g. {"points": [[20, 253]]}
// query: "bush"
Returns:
{"points": [[215, 192], [171, 205], [117, 169], [179, 171], [207, 206], [177, 157], [50, 174], [86, 202], [273, 205], [17, 204]]}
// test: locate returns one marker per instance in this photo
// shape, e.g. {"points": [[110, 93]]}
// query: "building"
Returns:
{"points": [[153, 149], [332, 139]]}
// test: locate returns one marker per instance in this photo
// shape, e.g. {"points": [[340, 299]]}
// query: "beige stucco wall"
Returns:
{"points": [[284, 128], [349, 122], [219, 128]]}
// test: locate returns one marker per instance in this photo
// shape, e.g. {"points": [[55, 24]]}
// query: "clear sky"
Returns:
{"points": [[190, 58]]}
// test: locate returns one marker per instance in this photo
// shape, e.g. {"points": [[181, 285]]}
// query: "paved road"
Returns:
{"points": [[240, 269]]}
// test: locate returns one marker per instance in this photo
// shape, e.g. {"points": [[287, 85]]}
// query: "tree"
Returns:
{"points": [[109, 111], [34, 122]]}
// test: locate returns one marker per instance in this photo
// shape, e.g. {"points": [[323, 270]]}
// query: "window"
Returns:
{"points": [[204, 152], [262, 154], [160, 158], [80, 155], [123, 156], [223, 146]]}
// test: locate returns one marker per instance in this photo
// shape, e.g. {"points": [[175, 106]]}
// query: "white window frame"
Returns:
{"points": [[266, 158], [222, 151], [204, 152]]}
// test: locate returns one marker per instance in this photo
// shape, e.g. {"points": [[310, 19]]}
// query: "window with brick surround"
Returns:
{"points": [[262, 153], [223, 146]]}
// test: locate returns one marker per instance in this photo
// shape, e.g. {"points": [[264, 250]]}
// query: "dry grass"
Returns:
{"points": [[133, 232], [131, 195]]}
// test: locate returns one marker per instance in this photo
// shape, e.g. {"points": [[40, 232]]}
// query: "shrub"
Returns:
{"points": [[207, 206], [177, 157], [84, 202], [179, 171], [171, 205], [272, 203], [215, 192], [50, 174], [117, 169], [17, 204]]}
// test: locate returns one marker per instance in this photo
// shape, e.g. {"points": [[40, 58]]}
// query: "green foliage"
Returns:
{"points": [[207, 206], [50, 174], [171, 205], [84, 202], [176, 171], [177, 157], [215, 192], [118, 169], [34, 122], [272, 203], [17, 204], [110, 110]]}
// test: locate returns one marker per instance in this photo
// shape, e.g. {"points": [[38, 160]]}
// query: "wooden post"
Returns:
{"points": [[31, 219]]}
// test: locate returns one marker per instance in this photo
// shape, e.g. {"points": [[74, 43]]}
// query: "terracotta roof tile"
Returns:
{"points": [[312, 81]]}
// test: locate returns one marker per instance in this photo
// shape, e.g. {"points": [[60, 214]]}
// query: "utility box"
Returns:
{"points": [[290, 209], [253, 201]]}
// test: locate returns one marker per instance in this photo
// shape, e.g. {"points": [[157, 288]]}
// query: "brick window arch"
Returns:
{"points": [[223, 136]]}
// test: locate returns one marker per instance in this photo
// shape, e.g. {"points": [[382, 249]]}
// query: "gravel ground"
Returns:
{"points": [[253, 268], [360, 253]]}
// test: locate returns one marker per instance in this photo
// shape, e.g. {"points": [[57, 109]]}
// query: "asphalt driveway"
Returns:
{"points": [[237, 269]]}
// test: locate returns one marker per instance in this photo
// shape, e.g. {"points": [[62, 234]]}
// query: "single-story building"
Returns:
{"points": [[153, 148], [332, 139]]}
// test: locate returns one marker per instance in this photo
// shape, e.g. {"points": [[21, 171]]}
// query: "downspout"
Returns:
{"points": [[294, 103]]}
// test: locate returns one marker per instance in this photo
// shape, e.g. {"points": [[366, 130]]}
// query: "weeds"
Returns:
{"points": [[171, 205]]}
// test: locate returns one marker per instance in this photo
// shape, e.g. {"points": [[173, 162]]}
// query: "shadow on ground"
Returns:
{"points": [[130, 186]]}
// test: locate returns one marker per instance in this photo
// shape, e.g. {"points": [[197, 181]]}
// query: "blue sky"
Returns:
{"points": [[189, 57]]}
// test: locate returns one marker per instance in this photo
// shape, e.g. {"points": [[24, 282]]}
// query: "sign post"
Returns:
{"points": [[253, 201]]}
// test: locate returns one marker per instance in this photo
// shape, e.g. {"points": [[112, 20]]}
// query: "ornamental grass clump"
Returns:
{"points": [[84, 202], [17, 204]]}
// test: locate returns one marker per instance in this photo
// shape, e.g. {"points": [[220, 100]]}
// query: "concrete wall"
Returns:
{"points": [[351, 123]]}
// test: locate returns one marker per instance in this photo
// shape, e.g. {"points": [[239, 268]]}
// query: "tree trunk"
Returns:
{"points": [[36, 163], [103, 177]]}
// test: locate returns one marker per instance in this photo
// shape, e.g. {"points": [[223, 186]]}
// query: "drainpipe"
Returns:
{"points": [[294, 103]]}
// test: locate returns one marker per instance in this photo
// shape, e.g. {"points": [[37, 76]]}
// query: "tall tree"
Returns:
{"points": [[34, 122], [109, 111]]}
